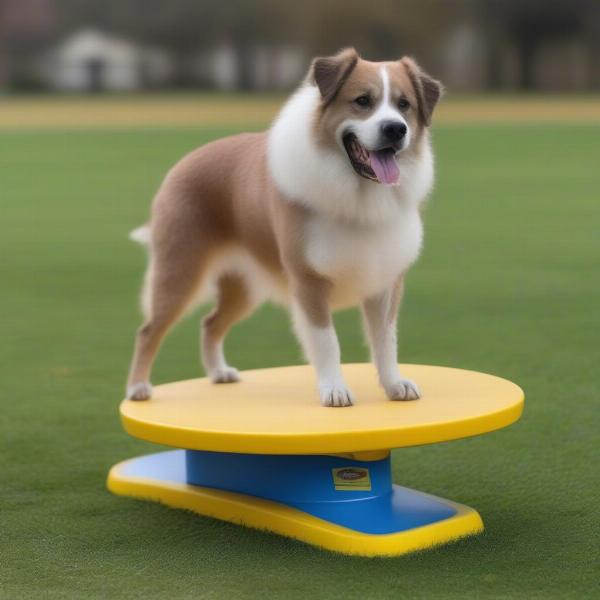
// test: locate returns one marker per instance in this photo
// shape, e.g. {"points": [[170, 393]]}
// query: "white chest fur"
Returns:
{"points": [[363, 260]]}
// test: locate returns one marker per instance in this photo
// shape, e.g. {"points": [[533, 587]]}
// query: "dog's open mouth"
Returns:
{"points": [[376, 165]]}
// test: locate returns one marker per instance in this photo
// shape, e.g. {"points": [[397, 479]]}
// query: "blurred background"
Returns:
{"points": [[127, 45], [99, 98]]}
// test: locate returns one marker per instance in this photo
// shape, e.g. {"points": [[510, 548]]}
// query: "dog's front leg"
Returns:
{"points": [[380, 317], [314, 327]]}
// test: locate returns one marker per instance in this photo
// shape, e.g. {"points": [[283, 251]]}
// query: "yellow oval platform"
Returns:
{"points": [[276, 411]]}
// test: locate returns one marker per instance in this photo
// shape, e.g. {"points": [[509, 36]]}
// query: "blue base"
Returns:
{"points": [[366, 515], [305, 483]]}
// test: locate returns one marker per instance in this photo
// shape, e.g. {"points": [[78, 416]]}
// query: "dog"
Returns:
{"points": [[320, 212]]}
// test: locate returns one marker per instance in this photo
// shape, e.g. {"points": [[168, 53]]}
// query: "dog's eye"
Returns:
{"points": [[403, 104], [363, 101]]}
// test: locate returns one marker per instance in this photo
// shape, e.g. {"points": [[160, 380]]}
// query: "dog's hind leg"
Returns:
{"points": [[233, 303], [174, 277]]}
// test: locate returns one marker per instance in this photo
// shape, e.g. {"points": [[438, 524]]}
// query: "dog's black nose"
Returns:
{"points": [[393, 131]]}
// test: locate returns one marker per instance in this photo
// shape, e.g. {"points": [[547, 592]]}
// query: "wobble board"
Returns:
{"points": [[264, 453]]}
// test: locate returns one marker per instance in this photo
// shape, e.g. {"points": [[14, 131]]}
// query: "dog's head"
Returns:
{"points": [[373, 112]]}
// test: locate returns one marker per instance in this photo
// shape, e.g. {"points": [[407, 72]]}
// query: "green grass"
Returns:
{"points": [[508, 284]]}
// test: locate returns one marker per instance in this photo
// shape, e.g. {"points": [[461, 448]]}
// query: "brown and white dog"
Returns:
{"points": [[320, 212]]}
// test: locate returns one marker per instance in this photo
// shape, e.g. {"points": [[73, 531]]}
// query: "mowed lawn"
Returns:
{"points": [[508, 284]]}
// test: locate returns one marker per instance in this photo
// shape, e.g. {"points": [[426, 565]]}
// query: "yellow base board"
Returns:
{"points": [[284, 520]]}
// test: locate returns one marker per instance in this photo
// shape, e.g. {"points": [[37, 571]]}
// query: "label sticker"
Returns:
{"points": [[351, 479]]}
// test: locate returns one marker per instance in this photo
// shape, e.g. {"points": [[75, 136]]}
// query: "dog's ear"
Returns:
{"points": [[331, 72], [427, 89]]}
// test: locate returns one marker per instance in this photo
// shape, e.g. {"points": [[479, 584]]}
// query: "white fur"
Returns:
{"points": [[325, 180], [213, 360], [322, 349], [380, 327], [363, 234], [141, 235], [363, 260], [139, 391]]}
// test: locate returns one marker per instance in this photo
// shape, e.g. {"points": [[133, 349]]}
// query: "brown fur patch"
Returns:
{"points": [[331, 73], [428, 90], [232, 303]]}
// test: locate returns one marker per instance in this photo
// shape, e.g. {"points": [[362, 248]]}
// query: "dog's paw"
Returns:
{"points": [[139, 391], [335, 395], [225, 375], [403, 389]]}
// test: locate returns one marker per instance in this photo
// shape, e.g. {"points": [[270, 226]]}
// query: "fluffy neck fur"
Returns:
{"points": [[324, 180]]}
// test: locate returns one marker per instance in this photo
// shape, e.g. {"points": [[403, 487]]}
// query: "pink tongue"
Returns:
{"points": [[385, 166]]}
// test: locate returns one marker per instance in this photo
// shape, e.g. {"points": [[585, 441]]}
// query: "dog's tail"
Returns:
{"points": [[141, 235]]}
